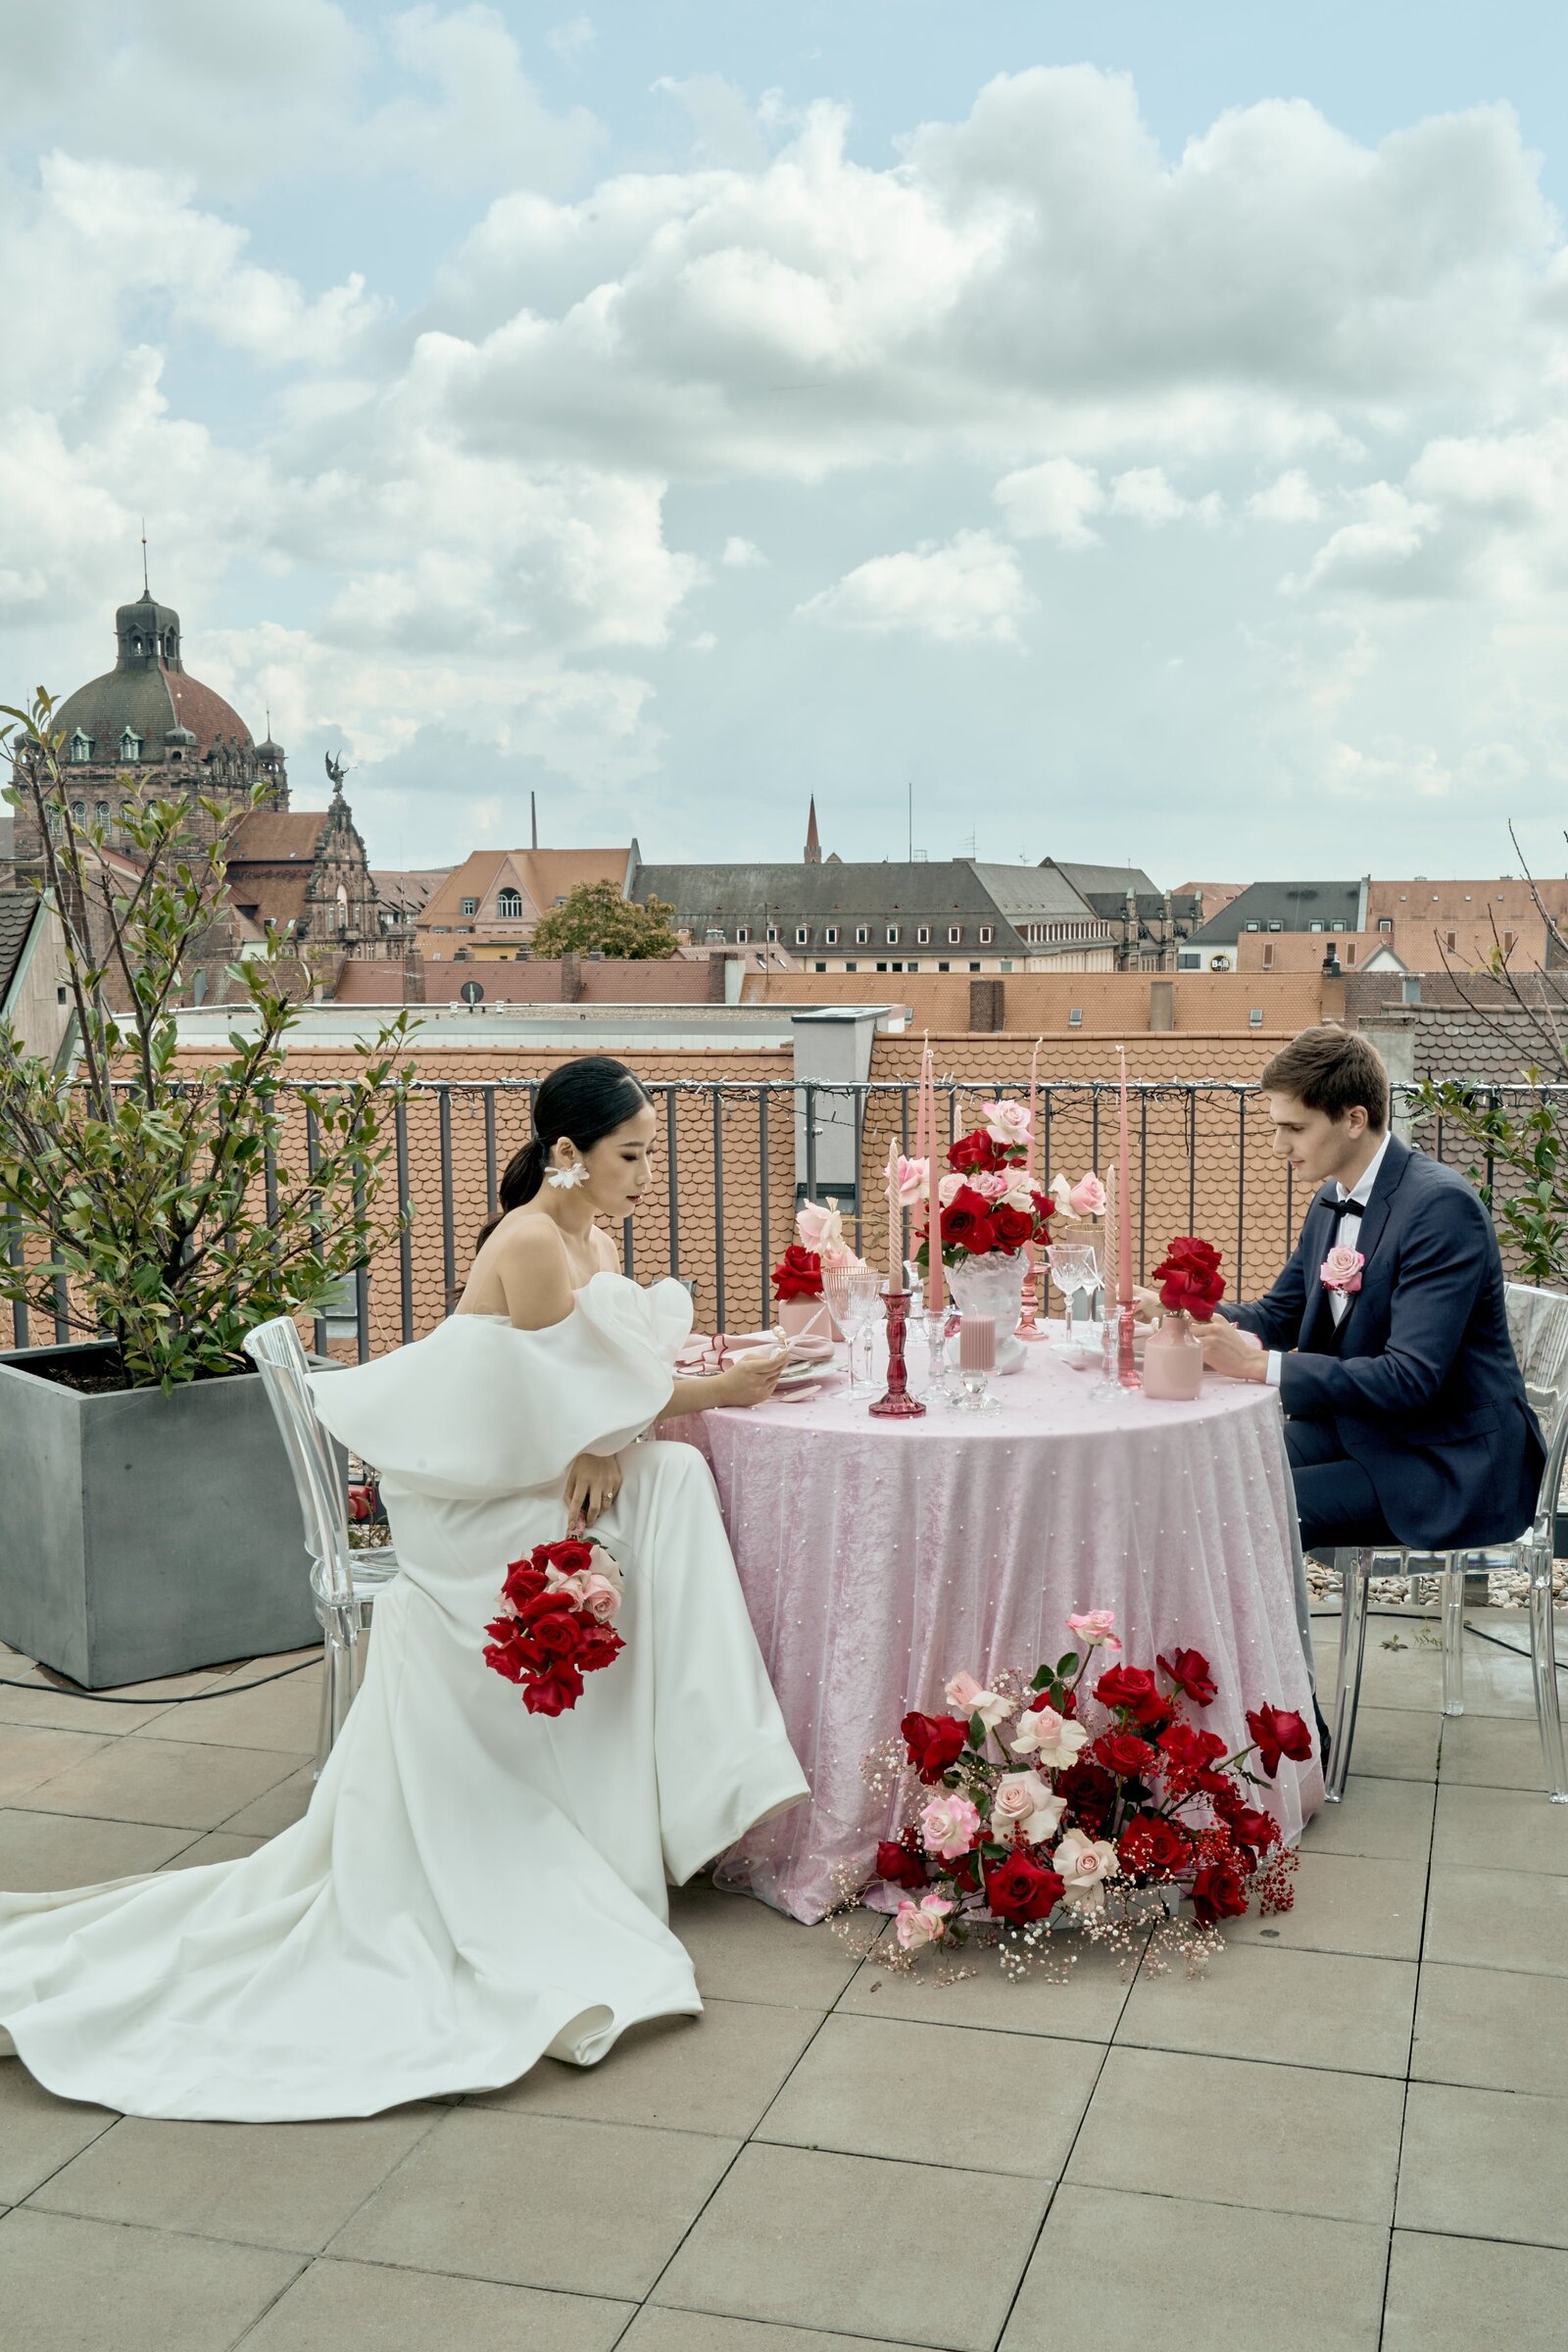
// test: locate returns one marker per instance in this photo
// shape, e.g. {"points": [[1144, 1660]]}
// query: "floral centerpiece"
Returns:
{"points": [[989, 1206], [1085, 1802], [1191, 1287], [556, 1621], [797, 1279]]}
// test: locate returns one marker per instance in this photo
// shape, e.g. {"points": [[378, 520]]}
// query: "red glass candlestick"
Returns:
{"points": [[1028, 1320], [897, 1404]]}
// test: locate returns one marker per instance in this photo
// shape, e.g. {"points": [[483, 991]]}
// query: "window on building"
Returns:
{"points": [[1339, 923], [882, 967], [1250, 926], [1075, 1016], [340, 1308], [1268, 953], [862, 935], [802, 936], [1385, 925], [852, 968], [1189, 963], [742, 935], [1349, 951], [81, 746], [772, 935], [974, 968], [1315, 926], [1510, 938], [1254, 1019], [470, 907], [819, 967], [79, 810], [509, 906], [101, 813], [1274, 926], [892, 935], [987, 934], [830, 936], [57, 817], [922, 936], [1450, 940], [954, 935], [129, 744], [944, 967], [1007, 964]]}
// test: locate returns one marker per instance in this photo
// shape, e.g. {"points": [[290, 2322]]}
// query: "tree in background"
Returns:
{"points": [[597, 919]]}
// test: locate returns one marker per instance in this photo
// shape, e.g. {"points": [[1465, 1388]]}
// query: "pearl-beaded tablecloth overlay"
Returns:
{"points": [[878, 1558]]}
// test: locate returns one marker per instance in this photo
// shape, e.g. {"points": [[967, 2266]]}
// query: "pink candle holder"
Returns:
{"points": [[1127, 1371], [1028, 1319], [896, 1403]]}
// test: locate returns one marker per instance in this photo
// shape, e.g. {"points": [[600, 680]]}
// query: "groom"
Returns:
{"points": [[1406, 1417]]}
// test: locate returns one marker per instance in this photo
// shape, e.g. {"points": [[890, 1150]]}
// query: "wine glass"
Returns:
{"points": [[1074, 1268], [854, 1294]]}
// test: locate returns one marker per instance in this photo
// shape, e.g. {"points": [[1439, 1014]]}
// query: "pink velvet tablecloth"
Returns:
{"points": [[880, 1557]]}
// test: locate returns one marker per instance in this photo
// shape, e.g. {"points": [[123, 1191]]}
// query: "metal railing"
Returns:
{"points": [[1200, 1161]]}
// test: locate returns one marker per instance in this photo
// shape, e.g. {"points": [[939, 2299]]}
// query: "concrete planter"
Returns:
{"points": [[144, 1535]]}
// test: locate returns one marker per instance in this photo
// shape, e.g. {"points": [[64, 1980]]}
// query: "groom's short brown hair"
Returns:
{"points": [[1333, 1070]]}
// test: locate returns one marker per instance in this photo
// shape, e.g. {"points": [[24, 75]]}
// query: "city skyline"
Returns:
{"points": [[1143, 449]]}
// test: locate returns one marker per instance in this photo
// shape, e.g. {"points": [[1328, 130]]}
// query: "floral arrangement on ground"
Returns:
{"points": [[1098, 1804]]}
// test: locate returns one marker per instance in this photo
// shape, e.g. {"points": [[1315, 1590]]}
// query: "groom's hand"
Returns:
{"points": [[1233, 1351]]}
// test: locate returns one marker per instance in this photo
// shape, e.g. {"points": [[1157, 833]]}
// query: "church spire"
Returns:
{"points": [[813, 847]]}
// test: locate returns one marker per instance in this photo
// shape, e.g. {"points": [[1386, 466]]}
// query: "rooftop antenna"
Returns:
{"points": [[912, 822], [146, 591], [533, 813]]}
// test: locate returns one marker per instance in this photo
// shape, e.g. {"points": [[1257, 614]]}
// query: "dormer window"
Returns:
{"points": [[131, 745], [509, 906], [81, 746], [470, 905]]}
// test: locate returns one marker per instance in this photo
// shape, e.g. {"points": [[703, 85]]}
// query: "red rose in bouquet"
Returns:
{"points": [[554, 1625], [1190, 1753], [934, 1742], [1253, 1826], [1090, 1793], [1219, 1892], [798, 1274], [899, 1865], [1021, 1891], [1151, 1846], [1135, 1688], [1012, 1226], [1189, 1280], [1279, 1734], [978, 1153], [1124, 1754], [966, 1223], [1188, 1670]]}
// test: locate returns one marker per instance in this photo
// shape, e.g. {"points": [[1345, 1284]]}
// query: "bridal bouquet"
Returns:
{"points": [[1063, 1802], [989, 1205], [556, 1621]]}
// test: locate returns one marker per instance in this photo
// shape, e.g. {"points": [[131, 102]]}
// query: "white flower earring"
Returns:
{"points": [[574, 1172]]}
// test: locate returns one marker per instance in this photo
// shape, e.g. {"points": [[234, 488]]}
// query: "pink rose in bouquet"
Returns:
{"points": [[1008, 1123], [924, 1921], [1096, 1627]]}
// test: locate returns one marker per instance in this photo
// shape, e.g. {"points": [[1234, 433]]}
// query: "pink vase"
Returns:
{"points": [[803, 1318], [1173, 1361]]}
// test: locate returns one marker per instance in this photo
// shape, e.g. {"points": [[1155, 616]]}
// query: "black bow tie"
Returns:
{"points": [[1343, 1209]]}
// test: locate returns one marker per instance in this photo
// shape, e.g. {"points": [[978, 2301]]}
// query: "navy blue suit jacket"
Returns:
{"points": [[1420, 1381]]}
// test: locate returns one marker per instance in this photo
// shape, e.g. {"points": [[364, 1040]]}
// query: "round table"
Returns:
{"points": [[880, 1557]]}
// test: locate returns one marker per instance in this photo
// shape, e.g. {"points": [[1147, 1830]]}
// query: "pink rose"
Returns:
{"points": [[1084, 1864], [948, 1826], [1007, 1122], [1022, 1802], [921, 1923], [819, 1228], [969, 1698], [1340, 1270], [948, 1189], [1095, 1628], [600, 1597], [1050, 1737], [990, 1184], [1088, 1197], [912, 1181]]}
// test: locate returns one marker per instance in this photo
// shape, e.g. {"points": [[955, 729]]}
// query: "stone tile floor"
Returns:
{"points": [[1353, 2133]]}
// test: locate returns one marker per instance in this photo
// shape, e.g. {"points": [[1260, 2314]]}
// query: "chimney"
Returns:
{"points": [[533, 816], [570, 978], [1162, 1004], [814, 845], [1331, 997], [412, 978], [986, 999]]}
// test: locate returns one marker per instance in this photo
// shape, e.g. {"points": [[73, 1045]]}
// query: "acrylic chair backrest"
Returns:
{"points": [[275, 1351], [1538, 1325]]}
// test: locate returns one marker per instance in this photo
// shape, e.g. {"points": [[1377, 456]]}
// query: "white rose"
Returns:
{"points": [[1085, 1863], [1022, 1802], [1054, 1739], [968, 1696]]}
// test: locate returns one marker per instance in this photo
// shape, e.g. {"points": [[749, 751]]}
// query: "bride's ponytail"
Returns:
{"points": [[583, 1100]]}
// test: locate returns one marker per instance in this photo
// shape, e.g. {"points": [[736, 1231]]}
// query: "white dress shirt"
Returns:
{"points": [[1344, 1234]]}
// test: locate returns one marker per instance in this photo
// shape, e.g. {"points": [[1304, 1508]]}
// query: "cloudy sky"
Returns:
{"points": [[1144, 431]]}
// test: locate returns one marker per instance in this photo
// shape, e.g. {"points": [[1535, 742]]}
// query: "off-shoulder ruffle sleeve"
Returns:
{"points": [[479, 1408]]}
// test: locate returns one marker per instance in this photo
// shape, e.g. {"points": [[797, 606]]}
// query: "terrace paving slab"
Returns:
{"points": [[656, 2331], [1492, 2028], [742, 1951], [291, 2185], [1292, 2139], [1484, 2164], [717, 2073], [1449, 2294], [1296, 2008], [367, 2307], [1489, 1829], [1389, 1820], [32, 1754], [1079, 1998], [1487, 1752], [505, 2196], [168, 1781], [1499, 1919], [1393, 1743], [92, 2286], [41, 1851], [844, 2244], [1346, 1903], [1208, 2279], [986, 2102], [39, 2134]]}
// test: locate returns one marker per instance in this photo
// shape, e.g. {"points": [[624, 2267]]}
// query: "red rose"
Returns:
{"points": [[1189, 1280], [899, 1865], [502, 1656], [966, 1223], [1091, 1794], [1279, 1734], [934, 1742], [1254, 1828], [1188, 1670], [1021, 1890], [554, 1693], [1219, 1893], [1133, 1688], [798, 1274], [1188, 1750], [975, 1152], [598, 1646], [1013, 1228], [1153, 1846], [557, 1634], [1124, 1754]]}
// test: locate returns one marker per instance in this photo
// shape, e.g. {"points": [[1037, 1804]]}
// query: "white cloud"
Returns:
{"points": [[971, 589], [739, 554], [1144, 493], [570, 40], [1376, 553], [1289, 498], [1052, 501], [486, 119]]}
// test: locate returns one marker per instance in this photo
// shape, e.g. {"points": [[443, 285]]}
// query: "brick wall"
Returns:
{"points": [[1112, 1004]]}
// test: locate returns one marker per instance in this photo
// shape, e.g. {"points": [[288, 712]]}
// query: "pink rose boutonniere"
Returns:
{"points": [[1340, 1270]]}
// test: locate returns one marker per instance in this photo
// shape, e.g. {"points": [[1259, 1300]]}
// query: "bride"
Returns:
{"points": [[472, 1887]]}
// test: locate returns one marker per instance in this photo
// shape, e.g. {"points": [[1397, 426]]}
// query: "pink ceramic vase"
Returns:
{"points": [[1173, 1361], [803, 1318]]}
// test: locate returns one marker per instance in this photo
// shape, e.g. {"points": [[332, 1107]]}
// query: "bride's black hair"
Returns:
{"points": [[584, 1101]]}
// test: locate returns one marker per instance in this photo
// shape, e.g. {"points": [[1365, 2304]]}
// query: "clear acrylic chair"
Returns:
{"points": [[343, 1582], [1538, 1325]]}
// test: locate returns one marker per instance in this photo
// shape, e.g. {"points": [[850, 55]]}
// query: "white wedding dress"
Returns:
{"points": [[473, 1886]]}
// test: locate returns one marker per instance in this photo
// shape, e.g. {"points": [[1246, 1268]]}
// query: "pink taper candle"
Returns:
{"points": [[1124, 1216], [922, 1133], [936, 1277], [895, 1220]]}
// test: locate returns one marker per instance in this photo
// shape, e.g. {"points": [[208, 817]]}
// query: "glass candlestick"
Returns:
{"points": [[896, 1403], [934, 1331], [1127, 1372], [1029, 1319]]}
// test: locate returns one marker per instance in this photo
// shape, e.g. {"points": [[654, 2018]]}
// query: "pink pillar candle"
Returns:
{"points": [[977, 1344], [1124, 1214]]}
